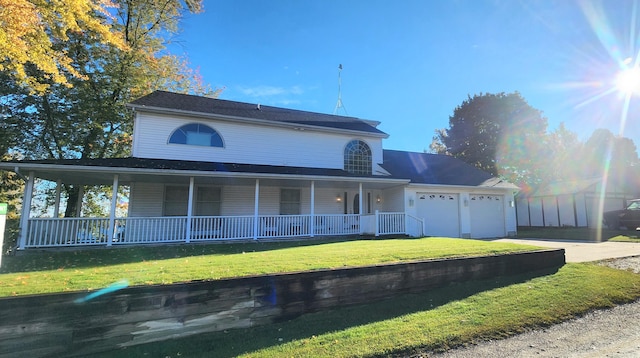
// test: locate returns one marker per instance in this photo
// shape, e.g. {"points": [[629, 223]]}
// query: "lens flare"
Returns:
{"points": [[628, 81]]}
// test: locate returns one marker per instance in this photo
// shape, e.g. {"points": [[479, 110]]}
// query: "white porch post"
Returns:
{"points": [[312, 225], [26, 210], [360, 206], [112, 212], [189, 209], [79, 202], [377, 223], [56, 208], [256, 206]]}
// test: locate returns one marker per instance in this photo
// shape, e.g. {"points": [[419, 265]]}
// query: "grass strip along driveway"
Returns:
{"points": [[61, 271]]}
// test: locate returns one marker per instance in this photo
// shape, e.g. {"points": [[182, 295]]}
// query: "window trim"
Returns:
{"points": [[184, 129], [352, 163]]}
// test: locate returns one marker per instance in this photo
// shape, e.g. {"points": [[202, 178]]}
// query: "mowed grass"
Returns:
{"points": [[572, 233], [411, 325], [62, 271]]}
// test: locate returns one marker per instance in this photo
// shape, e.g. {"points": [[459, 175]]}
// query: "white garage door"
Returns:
{"points": [[487, 215], [440, 213]]}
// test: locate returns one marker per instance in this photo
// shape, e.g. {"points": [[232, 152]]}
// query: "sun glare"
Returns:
{"points": [[628, 81]]}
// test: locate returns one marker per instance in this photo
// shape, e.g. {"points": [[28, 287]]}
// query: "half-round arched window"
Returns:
{"points": [[357, 157], [196, 134]]}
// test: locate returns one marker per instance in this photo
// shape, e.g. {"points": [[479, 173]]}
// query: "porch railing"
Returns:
{"points": [[56, 232]]}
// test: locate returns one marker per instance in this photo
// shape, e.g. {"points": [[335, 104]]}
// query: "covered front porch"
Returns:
{"points": [[216, 206]]}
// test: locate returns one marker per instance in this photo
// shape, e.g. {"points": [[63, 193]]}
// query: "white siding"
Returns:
{"points": [[247, 143], [394, 200], [145, 199]]}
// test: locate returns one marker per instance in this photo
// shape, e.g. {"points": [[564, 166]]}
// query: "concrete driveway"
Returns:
{"points": [[582, 251]]}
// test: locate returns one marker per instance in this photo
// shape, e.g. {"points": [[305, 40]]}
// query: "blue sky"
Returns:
{"points": [[408, 64]]}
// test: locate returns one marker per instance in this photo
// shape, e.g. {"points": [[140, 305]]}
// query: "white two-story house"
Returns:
{"points": [[207, 169]]}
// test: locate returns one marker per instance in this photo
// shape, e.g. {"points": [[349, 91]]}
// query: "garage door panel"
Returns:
{"points": [[440, 212], [487, 215]]}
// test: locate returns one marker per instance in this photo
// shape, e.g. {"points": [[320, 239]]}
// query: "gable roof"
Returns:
{"points": [[437, 169], [213, 107]]}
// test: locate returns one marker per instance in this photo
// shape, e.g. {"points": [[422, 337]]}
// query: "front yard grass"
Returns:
{"points": [[79, 270], [572, 233], [413, 324]]}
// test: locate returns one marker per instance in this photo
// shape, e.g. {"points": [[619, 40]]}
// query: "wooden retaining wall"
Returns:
{"points": [[53, 325]]}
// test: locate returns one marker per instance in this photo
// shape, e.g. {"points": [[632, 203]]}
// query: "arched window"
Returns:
{"points": [[357, 157], [196, 134]]}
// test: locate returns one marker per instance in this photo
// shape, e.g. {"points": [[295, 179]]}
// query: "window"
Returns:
{"points": [[290, 202], [357, 157], [176, 200], [196, 134], [208, 201]]}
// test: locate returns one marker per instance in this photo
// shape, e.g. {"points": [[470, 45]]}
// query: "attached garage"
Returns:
{"points": [[455, 199], [487, 215], [441, 213]]}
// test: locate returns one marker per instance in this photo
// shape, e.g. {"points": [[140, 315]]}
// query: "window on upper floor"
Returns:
{"points": [[196, 134], [357, 157]]}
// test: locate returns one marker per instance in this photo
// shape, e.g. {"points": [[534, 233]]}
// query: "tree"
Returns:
{"points": [[30, 31], [605, 154], [499, 133], [565, 149], [88, 118]]}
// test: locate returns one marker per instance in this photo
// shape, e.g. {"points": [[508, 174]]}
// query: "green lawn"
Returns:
{"points": [[572, 233], [35, 272], [412, 324]]}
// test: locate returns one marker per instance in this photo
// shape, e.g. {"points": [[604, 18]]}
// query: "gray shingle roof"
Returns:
{"points": [[436, 169], [213, 106], [166, 164]]}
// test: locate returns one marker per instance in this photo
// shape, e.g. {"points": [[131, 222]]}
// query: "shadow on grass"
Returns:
{"points": [[235, 342], [53, 259]]}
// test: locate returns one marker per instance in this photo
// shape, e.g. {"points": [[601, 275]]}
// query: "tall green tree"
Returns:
{"points": [[605, 153], [565, 150], [499, 133], [86, 117]]}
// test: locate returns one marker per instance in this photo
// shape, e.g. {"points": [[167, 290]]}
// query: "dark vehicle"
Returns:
{"points": [[629, 217]]}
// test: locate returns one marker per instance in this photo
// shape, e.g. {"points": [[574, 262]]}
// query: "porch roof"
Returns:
{"points": [[166, 102], [99, 172]]}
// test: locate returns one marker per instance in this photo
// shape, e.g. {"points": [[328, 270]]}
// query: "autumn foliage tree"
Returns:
{"points": [[84, 115], [30, 32]]}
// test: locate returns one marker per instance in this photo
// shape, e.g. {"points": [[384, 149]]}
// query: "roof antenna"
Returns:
{"points": [[339, 104]]}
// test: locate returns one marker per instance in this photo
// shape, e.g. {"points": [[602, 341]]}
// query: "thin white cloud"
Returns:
{"points": [[270, 91], [262, 91]]}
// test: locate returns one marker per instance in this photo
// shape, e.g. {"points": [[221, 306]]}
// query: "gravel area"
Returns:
{"points": [[611, 332]]}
